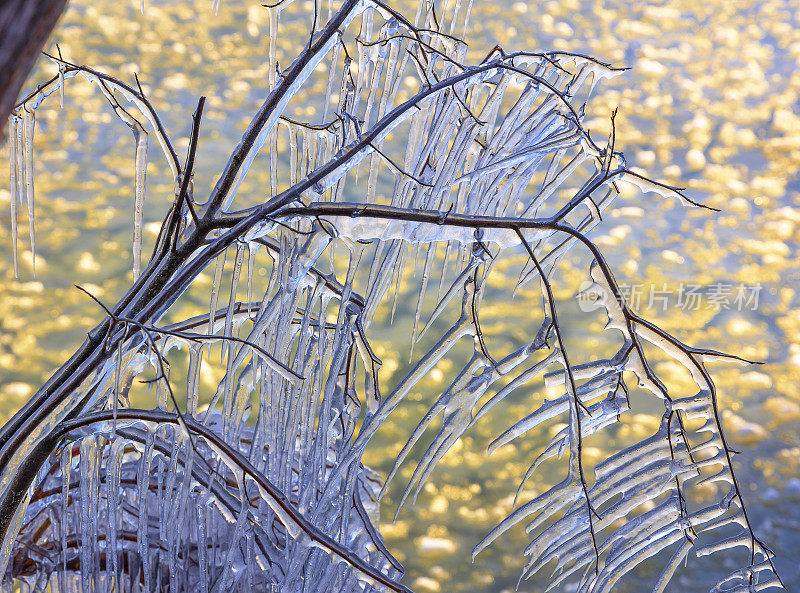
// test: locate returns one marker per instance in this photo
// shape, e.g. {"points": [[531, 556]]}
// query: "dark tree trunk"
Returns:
{"points": [[25, 25]]}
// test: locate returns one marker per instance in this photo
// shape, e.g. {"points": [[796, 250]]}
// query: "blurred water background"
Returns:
{"points": [[710, 102]]}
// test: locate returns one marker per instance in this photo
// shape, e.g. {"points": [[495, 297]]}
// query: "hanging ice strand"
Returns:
{"points": [[29, 122], [12, 143], [140, 135], [61, 76], [272, 78]]}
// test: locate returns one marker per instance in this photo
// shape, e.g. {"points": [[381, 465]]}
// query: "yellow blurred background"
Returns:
{"points": [[710, 103]]}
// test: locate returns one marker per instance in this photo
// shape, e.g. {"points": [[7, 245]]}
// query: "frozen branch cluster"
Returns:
{"points": [[261, 482]]}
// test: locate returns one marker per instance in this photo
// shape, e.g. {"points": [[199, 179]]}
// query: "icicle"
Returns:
{"points": [[250, 561], [162, 390], [252, 249], [20, 154], [400, 263], [294, 162], [229, 347], [12, 143], [228, 328], [178, 508], [89, 466], [201, 520], [109, 87], [29, 124], [331, 76], [162, 496], [193, 377], [553, 500], [457, 285], [66, 470], [372, 180], [61, 68], [143, 483], [220, 266], [141, 171], [116, 392], [272, 75], [113, 476], [429, 253], [272, 71], [306, 160]]}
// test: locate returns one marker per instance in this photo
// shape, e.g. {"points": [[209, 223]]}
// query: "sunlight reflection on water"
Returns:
{"points": [[711, 102]]}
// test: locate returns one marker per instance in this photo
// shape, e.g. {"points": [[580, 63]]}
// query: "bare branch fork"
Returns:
{"points": [[484, 149]]}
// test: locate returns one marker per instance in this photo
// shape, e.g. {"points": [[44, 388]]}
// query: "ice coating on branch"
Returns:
{"points": [[252, 477], [287, 94], [425, 233], [109, 86]]}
